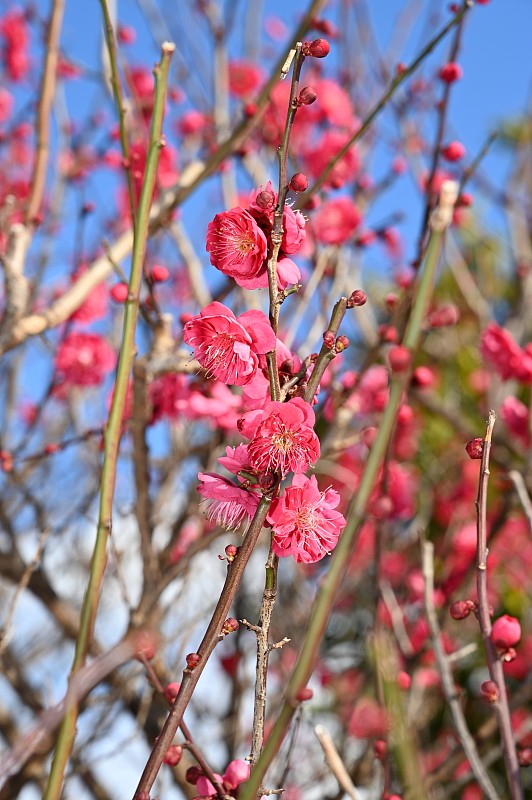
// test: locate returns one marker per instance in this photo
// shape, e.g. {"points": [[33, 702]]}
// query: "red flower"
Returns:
{"points": [[282, 437], [245, 78], [227, 346], [83, 359], [238, 247], [305, 523], [336, 220]]}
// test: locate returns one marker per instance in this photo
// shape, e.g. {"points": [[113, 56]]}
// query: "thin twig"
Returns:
{"points": [[460, 724], [335, 763], [500, 705]]}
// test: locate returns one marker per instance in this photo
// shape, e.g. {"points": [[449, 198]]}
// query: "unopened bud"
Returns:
{"points": [[192, 660], [230, 551], [342, 343], [475, 447], [461, 609], [305, 693], [357, 298], [328, 340], [170, 691], [319, 48], [173, 755], [525, 756], [307, 96], [230, 625], [490, 691], [298, 182], [265, 200], [506, 632], [193, 774], [399, 358], [380, 748]]}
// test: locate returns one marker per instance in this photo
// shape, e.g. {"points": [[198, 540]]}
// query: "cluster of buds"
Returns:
{"points": [[319, 48], [337, 344]]}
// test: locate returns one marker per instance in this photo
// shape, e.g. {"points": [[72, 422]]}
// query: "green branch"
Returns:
{"points": [[113, 431]]}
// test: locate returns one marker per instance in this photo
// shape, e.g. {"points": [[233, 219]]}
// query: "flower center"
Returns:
{"points": [[306, 520], [244, 244], [283, 441], [219, 350]]}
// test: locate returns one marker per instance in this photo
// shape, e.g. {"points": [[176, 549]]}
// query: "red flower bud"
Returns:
{"points": [[159, 273], [173, 755], [490, 691], [475, 447], [230, 552], [304, 694], [298, 182], [119, 292], [525, 756], [388, 333], [357, 298], [192, 660], [453, 151], [403, 680], [461, 609], [319, 48], [506, 632], [265, 200], [342, 343], [307, 96], [230, 625], [399, 358], [170, 691], [450, 72], [381, 748], [444, 316], [145, 646], [193, 774], [328, 340]]}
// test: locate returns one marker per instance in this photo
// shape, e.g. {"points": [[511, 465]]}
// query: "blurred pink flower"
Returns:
{"points": [[336, 221], [304, 521], [84, 359], [228, 346], [499, 348]]}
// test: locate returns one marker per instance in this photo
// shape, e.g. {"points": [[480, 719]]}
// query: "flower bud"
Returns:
{"points": [[265, 200], [380, 748], [475, 447], [173, 755], [342, 343], [357, 298], [307, 96], [303, 694], [506, 632], [328, 339], [230, 551], [444, 316], [525, 757], [423, 378], [145, 646], [453, 151], [450, 72], [490, 691], [403, 680], [461, 609], [509, 655], [298, 182], [319, 48], [170, 691], [159, 273], [230, 625], [399, 358], [119, 292], [192, 660], [193, 774]]}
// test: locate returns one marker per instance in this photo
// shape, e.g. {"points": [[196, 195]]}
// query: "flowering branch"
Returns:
{"points": [[382, 103], [460, 724], [324, 602], [500, 703], [113, 432], [212, 635]]}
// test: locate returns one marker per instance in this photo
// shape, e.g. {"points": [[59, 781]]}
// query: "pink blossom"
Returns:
{"points": [[288, 273], [229, 504], [245, 78], [238, 247], [316, 158], [293, 231], [14, 28], [282, 437], [336, 221], [95, 304], [236, 459], [499, 348], [305, 523], [228, 346], [215, 403], [83, 359], [516, 417], [236, 773], [205, 787], [6, 104]]}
